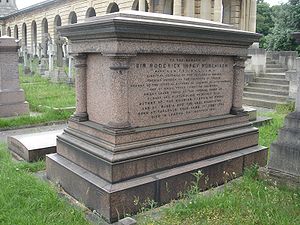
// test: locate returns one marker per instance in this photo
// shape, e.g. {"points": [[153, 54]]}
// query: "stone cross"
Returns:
{"points": [[59, 41], [45, 45], [50, 54]]}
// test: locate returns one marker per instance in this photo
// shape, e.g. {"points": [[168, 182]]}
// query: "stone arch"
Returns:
{"points": [[72, 17], [112, 7], [45, 27], [135, 5], [91, 12], [24, 34], [168, 7], [8, 33], [16, 32], [34, 38], [57, 23]]}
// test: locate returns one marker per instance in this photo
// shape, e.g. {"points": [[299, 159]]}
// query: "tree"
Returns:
{"points": [[264, 18], [287, 20]]}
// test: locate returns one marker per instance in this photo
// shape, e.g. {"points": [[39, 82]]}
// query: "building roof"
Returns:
{"points": [[31, 8]]}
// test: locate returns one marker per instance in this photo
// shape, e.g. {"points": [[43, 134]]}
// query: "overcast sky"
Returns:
{"points": [[22, 3]]}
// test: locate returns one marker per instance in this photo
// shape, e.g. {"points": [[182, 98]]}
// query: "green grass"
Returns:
{"points": [[26, 200], [248, 201], [40, 92], [269, 132]]}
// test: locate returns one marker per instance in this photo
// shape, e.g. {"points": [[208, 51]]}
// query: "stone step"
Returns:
{"points": [[275, 70], [272, 81], [285, 157], [269, 86], [266, 91], [262, 96], [273, 65], [270, 61], [262, 103], [273, 75], [149, 185], [278, 87]]}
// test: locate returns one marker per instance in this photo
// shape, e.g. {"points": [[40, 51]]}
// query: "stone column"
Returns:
{"points": [[218, 11], [238, 85], [243, 15], [142, 5], [177, 7], [205, 9], [189, 8], [81, 88], [252, 19]]}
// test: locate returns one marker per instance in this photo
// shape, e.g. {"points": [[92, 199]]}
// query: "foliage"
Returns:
{"points": [[24, 199], [269, 132], [286, 21], [264, 20]]}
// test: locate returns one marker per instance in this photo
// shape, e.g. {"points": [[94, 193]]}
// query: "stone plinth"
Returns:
{"points": [[33, 147], [12, 98], [284, 164], [158, 98]]}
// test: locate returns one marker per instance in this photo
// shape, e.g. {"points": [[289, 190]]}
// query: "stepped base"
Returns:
{"points": [[285, 153], [279, 177], [109, 169], [116, 200]]}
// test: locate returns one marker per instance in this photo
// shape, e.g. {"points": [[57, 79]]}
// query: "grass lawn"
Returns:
{"points": [[26, 200], [40, 92], [248, 201]]}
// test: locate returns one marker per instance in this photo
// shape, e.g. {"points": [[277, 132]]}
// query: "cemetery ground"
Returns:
{"points": [[26, 199], [48, 102]]}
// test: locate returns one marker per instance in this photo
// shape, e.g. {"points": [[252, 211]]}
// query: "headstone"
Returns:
{"points": [[26, 68], [43, 67], [12, 98], [284, 163], [59, 41], [51, 55], [158, 99], [34, 147]]}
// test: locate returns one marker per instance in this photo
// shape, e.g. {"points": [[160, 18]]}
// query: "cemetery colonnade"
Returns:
{"points": [[35, 23]]}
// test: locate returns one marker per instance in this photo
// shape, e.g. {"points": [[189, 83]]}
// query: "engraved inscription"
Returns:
{"points": [[181, 88]]}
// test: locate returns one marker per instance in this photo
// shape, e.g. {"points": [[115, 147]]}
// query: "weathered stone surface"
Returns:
{"points": [[12, 99], [158, 98], [33, 147]]}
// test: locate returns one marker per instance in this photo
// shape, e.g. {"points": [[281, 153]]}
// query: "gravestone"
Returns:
{"points": [[12, 98], [58, 75], [35, 146], [158, 99], [284, 164]]}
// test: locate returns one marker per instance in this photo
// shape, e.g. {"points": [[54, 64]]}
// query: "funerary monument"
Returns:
{"points": [[158, 98], [12, 98], [284, 164]]}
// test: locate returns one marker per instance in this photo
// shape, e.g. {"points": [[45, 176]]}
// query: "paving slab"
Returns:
{"points": [[34, 146]]}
